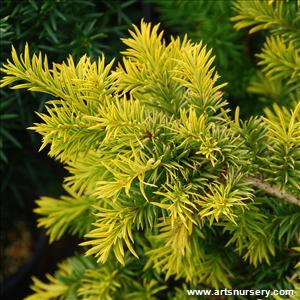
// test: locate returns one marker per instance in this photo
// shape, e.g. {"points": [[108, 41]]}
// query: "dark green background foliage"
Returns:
{"points": [[65, 26]]}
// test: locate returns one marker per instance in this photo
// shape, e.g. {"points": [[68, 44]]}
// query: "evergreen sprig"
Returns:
{"points": [[69, 213], [281, 61], [281, 17], [280, 56], [209, 21]]}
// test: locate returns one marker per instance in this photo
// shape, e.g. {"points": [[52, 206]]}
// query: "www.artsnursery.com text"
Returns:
{"points": [[228, 292]]}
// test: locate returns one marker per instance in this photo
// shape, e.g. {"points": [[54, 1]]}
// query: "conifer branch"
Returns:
{"points": [[273, 190], [147, 145]]}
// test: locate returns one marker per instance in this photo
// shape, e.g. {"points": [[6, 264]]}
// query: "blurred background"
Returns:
{"points": [[63, 27]]}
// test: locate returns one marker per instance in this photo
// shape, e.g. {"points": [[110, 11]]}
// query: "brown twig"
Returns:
{"points": [[273, 190]]}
